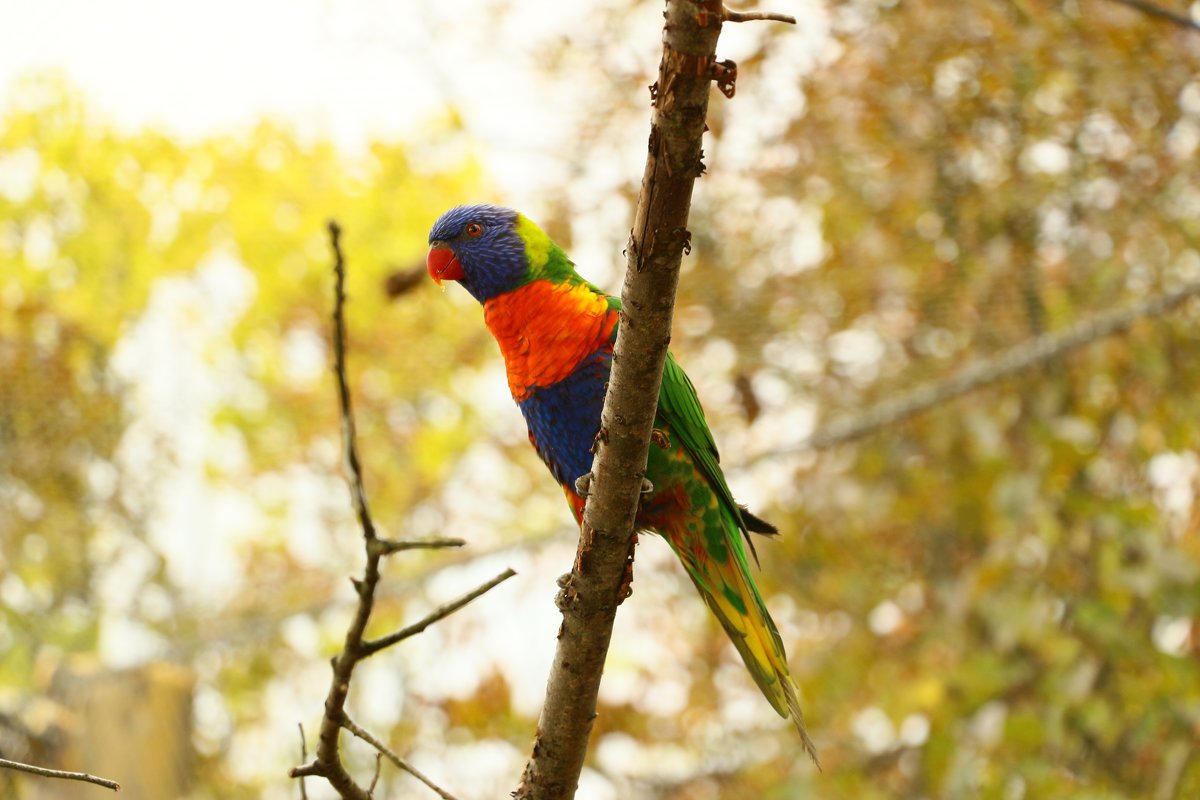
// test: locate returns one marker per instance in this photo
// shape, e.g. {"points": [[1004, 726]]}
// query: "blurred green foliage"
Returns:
{"points": [[93, 223], [999, 598]]}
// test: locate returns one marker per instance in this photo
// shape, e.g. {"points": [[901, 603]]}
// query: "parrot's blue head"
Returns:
{"points": [[481, 247]]}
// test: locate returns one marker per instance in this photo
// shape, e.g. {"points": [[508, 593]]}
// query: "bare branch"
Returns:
{"points": [[659, 238], [349, 436], [754, 16], [372, 647], [1165, 14], [328, 762], [385, 547], [375, 777], [310, 769], [1025, 356], [403, 281], [385, 751], [60, 774]]}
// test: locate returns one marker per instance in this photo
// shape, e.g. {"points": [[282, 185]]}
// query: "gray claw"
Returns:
{"points": [[583, 484], [647, 486]]}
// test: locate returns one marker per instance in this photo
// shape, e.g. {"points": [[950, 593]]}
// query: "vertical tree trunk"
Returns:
{"points": [[590, 593]]}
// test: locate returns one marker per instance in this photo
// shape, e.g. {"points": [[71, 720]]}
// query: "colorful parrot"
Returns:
{"points": [[556, 332]]}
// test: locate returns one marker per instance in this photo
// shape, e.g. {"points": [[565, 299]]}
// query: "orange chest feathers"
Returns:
{"points": [[546, 329]]}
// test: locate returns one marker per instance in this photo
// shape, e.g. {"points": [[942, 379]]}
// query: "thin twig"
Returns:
{"points": [[328, 762], [1025, 356], [349, 436], [386, 547], [1165, 14], [375, 777], [754, 16], [61, 774], [385, 751], [372, 647]]}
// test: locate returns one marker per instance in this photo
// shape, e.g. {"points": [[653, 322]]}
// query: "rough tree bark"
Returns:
{"points": [[591, 592]]}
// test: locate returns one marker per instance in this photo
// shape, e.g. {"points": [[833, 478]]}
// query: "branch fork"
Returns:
{"points": [[328, 762]]}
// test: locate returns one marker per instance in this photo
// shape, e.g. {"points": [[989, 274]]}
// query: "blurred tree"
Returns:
{"points": [[999, 598], [1004, 598], [167, 441]]}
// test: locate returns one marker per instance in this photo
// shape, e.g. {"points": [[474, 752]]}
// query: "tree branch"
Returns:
{"points": [[659, 238], [388, 546], [1028, 355], [328, 762], [349, 435], [1165, 14], [58, 773], [385, 751], [372, 647], [753, 16]]}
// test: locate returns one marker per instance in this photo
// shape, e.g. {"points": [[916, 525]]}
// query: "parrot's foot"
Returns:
{"points": [[583, 485], [567, 594], [626, 589]]}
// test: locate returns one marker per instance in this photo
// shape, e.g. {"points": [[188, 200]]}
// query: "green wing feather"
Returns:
{"points": [[680, 407], [680, 413]]}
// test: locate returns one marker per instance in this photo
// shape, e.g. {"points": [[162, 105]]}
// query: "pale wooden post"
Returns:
{"points": [[133, 726]]}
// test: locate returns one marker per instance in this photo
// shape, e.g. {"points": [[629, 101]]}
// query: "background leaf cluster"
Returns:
{"points": [[999, 598]]}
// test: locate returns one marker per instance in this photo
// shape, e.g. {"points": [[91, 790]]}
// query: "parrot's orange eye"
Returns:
{"points": [[474, 229]]}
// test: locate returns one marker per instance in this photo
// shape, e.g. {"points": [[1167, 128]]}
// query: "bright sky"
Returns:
{"points": [[350, 70], [195, 67]]}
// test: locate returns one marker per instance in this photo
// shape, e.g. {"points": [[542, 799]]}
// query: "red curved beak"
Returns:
{"points": [[443, 264]]}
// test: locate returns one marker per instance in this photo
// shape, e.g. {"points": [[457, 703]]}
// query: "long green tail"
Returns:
{"points": [[703, 532], [728, 589]]}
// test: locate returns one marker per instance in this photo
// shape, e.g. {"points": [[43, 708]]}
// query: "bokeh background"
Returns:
{"points": [[998, 598]]}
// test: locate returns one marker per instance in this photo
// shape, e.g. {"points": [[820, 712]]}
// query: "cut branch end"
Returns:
{"points": [[756, 16]]}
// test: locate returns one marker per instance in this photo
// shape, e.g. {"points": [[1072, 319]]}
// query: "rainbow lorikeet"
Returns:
{"points": [[556, 332]]}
